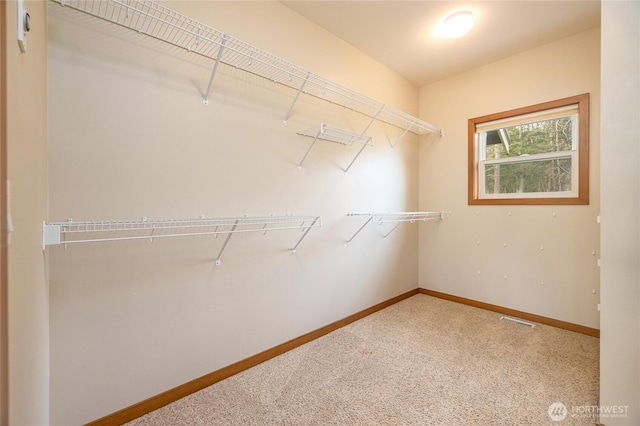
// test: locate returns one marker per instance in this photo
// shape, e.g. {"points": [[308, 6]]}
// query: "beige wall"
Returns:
{"points": [[620, 275], [129, 137], [493, 253], [27, 172]]}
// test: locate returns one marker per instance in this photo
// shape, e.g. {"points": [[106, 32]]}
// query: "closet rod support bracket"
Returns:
{"points": [[373, 119], [295, 99], [358, 155], [306, 154], [205, 98], [305, 231], [361, 228], [226, 241]]}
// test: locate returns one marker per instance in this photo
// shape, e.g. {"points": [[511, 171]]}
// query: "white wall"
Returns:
{"points": [[620, 274], [476, 247], [129, 137], [27, 171]]}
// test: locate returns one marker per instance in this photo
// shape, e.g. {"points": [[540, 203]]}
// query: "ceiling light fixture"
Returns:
{"points": [[456, 24]]}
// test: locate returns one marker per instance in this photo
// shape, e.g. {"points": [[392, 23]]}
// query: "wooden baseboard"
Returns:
{"points": [[594, 332], [158, 401]]}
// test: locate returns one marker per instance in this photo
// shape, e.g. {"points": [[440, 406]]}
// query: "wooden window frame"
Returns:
{"points": [[582, 197]]}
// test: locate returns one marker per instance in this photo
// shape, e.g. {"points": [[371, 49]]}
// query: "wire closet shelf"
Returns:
{"points": [[336, 135], [159, 22], [71, 232], [398, 218]]}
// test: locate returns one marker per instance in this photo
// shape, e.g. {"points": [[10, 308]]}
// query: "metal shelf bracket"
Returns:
{"points": [[226, 241], [305, 228], [205, 100], [397, 218], [336, 135], [304, 82]]}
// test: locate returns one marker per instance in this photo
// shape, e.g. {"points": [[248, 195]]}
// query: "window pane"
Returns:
{"points": [[539, 137], [528, 176]]}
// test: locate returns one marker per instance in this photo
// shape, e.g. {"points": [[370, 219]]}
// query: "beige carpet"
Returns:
{"points": [[423, 361]]}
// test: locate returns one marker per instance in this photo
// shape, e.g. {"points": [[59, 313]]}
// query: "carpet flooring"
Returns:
{"points": [[422, 361]]}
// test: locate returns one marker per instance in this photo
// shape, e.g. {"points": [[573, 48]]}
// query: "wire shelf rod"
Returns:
{"points": [[159, 22]]}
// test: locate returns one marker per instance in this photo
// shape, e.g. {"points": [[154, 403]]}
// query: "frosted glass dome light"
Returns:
{"points": [[457, 24]]}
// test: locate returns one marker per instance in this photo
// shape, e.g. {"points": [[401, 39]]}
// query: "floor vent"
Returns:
{"points": [[518, 321]]}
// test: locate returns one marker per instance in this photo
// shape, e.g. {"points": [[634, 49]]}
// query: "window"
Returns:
{"points": [[533, 155]]}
